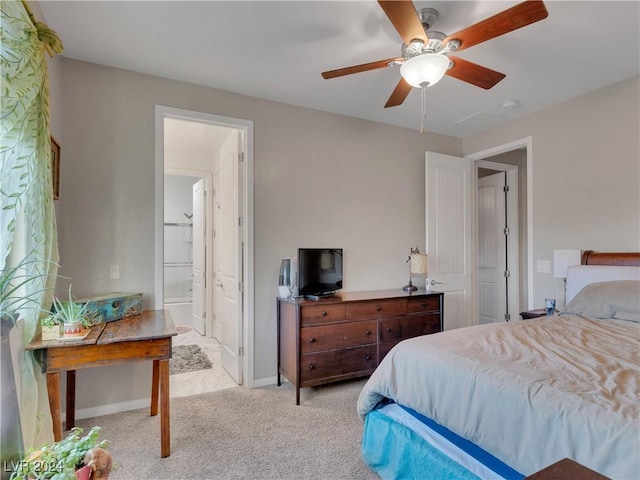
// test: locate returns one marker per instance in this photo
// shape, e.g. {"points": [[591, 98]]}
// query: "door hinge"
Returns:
{"points": [[240, 221], [506, 231], [241, 286], [241, 157], [507, 273], [241, 351], [505, 189], [507, 317]]}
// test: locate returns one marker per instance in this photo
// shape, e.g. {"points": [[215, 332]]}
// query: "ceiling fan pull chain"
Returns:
{"points": [[424, 107]]}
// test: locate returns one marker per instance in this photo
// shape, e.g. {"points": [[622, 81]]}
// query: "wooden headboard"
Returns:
{"points": [[626, 259]]}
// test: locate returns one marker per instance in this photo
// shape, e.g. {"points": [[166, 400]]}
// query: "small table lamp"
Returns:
{"points": [[418, 268], [562, 260]]}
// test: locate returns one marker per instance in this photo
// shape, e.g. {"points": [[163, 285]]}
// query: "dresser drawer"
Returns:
{"points": [[424, 304], [409, 326], [315, 368], [339, 335], [318, 314], [376, 309]]}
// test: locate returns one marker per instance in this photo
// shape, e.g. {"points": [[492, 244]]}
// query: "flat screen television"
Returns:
{"points": [[319, 271]]}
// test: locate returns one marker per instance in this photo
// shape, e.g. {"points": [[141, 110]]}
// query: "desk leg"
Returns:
{"points": [[154, 388], [165, 436], [53, 388], [71, 400]]}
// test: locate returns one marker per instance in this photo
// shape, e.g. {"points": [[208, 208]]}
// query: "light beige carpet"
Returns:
{"points": [[244, 434]]}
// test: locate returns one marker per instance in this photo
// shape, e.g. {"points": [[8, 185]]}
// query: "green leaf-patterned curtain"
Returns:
{"points": [[27, 216]]}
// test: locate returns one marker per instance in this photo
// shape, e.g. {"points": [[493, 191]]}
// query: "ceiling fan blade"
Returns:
{"points": [[365, 67], [473, 73], [404, 17], [519, 16], [399, 94]]}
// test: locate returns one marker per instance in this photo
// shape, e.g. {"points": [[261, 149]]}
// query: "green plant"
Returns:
{"points": [[70, 311], [50, 320], [14, 281], [60, 460]]}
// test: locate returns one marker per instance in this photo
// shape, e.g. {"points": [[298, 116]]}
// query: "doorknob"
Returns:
{"points": [[433, 282], [219, 283]]}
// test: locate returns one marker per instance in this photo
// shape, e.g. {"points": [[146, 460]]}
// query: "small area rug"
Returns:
{"points": [[188, 358]]}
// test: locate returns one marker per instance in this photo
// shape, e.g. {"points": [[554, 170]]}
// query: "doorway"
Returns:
{"points": [[516, 159], [497, 239], [452, 230], [189, 147], [178, 250]]}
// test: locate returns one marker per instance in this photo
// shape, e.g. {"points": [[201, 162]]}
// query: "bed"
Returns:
{"points": [[506, 400]]}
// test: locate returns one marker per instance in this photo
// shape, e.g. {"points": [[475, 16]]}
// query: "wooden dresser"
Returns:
{"points": [[347, 335]]}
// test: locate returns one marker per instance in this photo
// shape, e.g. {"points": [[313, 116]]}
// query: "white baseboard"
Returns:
{"points": [[145, 402], [111, 408], [265, 382]]}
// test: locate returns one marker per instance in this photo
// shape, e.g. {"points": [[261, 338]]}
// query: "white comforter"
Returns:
{"points": [[529, 392]]}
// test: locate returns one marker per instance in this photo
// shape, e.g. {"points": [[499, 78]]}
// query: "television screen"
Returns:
{"points": [[319, 271]]}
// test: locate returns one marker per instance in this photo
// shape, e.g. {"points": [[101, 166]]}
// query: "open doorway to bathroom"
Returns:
{"points": [[178, 250], [218, 150]]}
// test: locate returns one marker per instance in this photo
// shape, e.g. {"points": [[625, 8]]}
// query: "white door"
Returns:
{"points": [[199, 226], [449, 242], [229, 268], [492, 249]]}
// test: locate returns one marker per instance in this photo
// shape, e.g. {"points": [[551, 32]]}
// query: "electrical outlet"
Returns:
{"points": [[543, 266], [114, 272]]}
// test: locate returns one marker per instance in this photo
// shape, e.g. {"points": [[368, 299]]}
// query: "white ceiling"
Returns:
{"points": [[277, 50]]}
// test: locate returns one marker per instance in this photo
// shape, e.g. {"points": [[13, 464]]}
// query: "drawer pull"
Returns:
{"points": [[424, 304], [311, 366], [312, 339], [115, 304], [388, 329], [367, 357], [378, 308], [368, 332], [324, 314]]}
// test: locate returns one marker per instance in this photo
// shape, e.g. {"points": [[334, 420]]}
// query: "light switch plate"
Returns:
{"points": [[543, 266], [114, 272]]}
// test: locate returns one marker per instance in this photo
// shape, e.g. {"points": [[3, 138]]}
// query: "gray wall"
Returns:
{"points": [[586, 174], [320, 179]]}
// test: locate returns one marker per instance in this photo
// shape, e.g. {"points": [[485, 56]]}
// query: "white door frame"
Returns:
{"points": [[527, 144], [162, 112]]}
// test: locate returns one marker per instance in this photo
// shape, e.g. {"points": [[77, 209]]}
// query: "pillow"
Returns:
{"points": [[620, 298]]}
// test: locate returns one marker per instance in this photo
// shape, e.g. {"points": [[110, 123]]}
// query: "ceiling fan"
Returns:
{"points": [[426, 54]]}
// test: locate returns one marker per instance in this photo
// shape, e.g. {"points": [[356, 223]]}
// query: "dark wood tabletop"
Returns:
{"points": [[150, 324]]}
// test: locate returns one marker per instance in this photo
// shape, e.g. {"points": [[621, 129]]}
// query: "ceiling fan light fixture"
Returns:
{"points": [[424, 70]]}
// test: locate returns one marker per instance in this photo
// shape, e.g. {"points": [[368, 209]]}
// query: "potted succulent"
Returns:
{"points": [[74, 457], [50, 327], [74, 316]]}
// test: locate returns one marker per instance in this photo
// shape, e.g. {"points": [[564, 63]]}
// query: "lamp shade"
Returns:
{"points": [[425, 69], [563, 259], [418, 264]]}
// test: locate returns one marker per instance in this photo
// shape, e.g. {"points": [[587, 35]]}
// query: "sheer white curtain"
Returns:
{"points": [[28, 235]]}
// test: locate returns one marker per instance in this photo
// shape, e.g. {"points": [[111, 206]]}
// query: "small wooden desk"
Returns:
{"points": [[143, 337]]}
